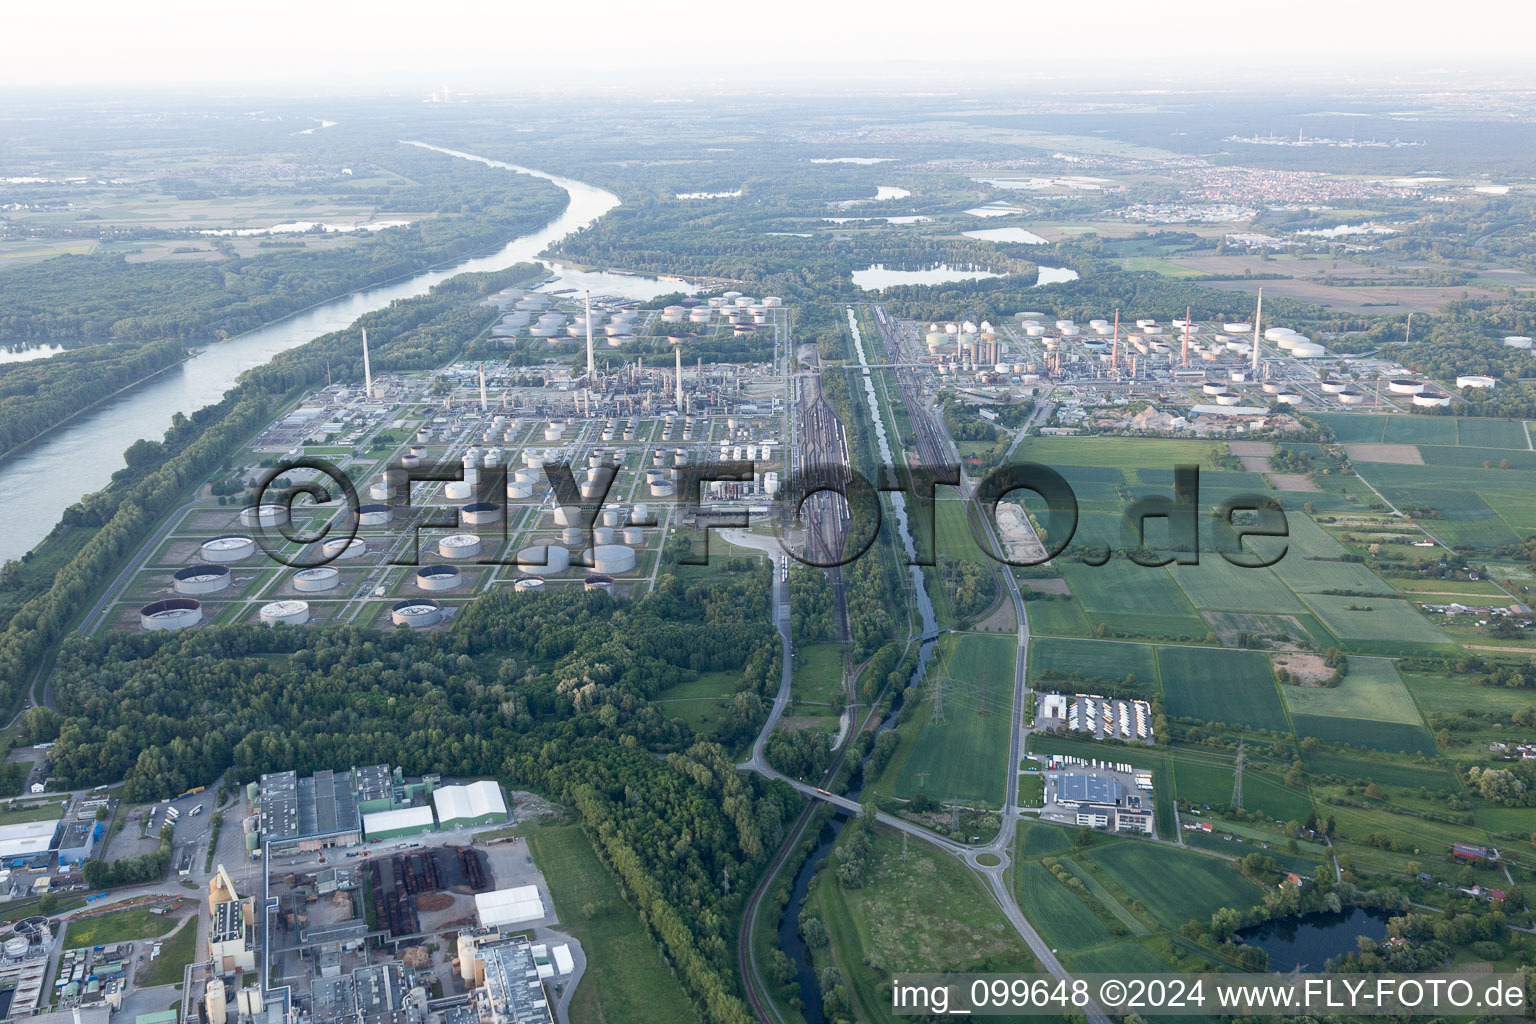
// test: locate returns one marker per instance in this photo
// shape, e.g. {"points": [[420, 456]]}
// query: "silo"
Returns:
{"points": [[438, 577], [311, 581], [171, 613], [416, 612], [459, 545], [285, 613], [201, 579], [229, 548]]}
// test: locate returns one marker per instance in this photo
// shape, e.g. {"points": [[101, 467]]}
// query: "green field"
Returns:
{"points": [[1147, 872], [1385, 772], [630, 980], [1371, 690], [1121, 958], [119, 926], [1065, 922], [1093, 659], [699, 702], [964, 756], [169, 968], [1036, 840], [1389, 737], [1215, 685], [1218, 585], [1381, 621]]}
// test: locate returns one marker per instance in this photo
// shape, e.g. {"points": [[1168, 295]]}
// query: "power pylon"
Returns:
{"points": [[1237, 777]]}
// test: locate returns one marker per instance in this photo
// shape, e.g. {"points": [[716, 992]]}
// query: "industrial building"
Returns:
{"points": [[503, 907], [478, 803], [309, 813], [1074, 790], [508, 980], [26, 839], [398, 822], [232, 933]]}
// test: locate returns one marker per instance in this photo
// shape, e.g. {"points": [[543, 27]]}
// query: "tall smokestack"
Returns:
{"points": [[482, 388], [1258, 316], [1114, 352], [590, 369], [679, 378], [367, 371], [1186, 335]]}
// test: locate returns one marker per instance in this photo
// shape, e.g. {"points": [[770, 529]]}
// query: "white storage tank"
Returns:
{"points": [[1517, 341], [343, 547], [317, 579], [528, 583], [602, 535], [227, 549], [641, 516], [459, 545], [1351, 397], [1237, 327], [612, 559], [1304, 349], [438, 577], [1404, 386], [285, 613], [171, 613], [613, 517], [416, 612], [480, 513], [263, 515], [1228, 398], [634, 536], [1474, 380], [547, 557], [571, 535], [374, 515], [1333, 387], [201, 579], [517, 491], [1288, 398], [1431, 400]]}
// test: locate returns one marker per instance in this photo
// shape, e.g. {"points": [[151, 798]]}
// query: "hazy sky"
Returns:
{"points": [[301, 45]]}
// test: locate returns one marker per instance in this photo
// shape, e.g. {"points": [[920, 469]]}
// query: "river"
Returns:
{"points": [[40, 482]]}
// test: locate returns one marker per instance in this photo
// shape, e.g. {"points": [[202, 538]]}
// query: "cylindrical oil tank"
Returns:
{"points": [[1237, 327], [634, 536], [285, 613], [596, 581], [529, 583], [344, 547], [416, 612], [409, 461], [612, 559], [518, 491], [171, 613], [1404, 386], [550, 558], [201, 579], [458, 490], [263, 515], [641, 515], [602, 535], [459, 545], [438, 577], [662, 489], [567, 515], [613, 517], [374, 515], [230, 548], [312, 581], [480, 513], [571, 535]]}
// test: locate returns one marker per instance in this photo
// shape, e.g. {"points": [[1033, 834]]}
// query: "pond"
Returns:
{"points": [[880, 276], [1310, 940], [1020, 235]]}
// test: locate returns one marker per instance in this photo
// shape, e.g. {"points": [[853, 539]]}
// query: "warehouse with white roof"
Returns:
{"points": [[509, 906], [478, 803]]}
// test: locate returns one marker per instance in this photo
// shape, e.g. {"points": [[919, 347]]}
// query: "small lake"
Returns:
{"points": [[1310, 940], [1020, 235], [880, 276], [1055, 275], [22, 352]]}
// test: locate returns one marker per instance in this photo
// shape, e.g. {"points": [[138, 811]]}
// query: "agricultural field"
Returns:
{"points": [[1206, 884], [1371, 690], [1217, 685], [1093, 659], [963, 756], [1375, 624], [1065, 922]]}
